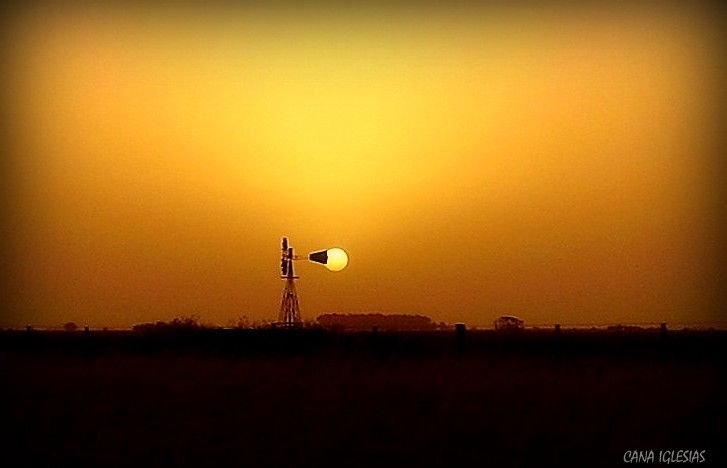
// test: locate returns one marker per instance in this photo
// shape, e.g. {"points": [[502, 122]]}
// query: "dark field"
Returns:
{"points": [[311, 398]]}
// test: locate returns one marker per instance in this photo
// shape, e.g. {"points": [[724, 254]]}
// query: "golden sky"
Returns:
{"points": [[554, 163]]}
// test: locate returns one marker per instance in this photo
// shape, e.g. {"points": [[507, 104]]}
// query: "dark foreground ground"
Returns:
{"points": [[309, 398]]}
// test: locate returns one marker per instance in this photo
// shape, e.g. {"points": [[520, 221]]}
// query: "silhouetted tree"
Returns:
{"points": [[240, 322]]}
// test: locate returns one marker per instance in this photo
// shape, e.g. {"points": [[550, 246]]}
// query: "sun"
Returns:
{"points": [[337, 259]]}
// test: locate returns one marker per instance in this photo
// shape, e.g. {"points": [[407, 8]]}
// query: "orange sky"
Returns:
{"points": [[551, 163]]}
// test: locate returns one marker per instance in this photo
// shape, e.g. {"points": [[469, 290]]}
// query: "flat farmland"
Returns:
{"points": [[311, 398]]}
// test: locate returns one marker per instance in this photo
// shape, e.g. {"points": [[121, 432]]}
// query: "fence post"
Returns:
{"points": [[460, 331]]}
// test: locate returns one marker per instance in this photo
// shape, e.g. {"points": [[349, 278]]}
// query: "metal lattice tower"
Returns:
{"points": [[289, 315]]}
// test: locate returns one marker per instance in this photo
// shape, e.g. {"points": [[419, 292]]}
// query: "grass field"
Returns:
{"points": [[261, 398]]}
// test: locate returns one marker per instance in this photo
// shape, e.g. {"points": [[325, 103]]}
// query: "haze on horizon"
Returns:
{"points": [[556, 163]]}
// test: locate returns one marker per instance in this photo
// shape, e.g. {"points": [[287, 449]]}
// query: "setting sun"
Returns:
{"points": [[337, 259]]}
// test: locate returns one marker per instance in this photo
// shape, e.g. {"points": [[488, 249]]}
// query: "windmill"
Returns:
{"points": [[334, 259]]}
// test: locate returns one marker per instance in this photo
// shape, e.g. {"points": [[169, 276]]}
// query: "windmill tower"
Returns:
{"points": [[289, 315], [334, 259]]}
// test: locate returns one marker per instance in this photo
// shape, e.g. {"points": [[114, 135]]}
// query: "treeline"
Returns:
{"points": [[332, 322], [362, 322]]}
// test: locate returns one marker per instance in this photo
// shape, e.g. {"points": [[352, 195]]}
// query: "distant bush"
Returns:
{"points": [[241, 322], [180, 323]]}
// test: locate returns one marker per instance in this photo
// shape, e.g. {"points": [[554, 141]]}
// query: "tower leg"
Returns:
{"points": [[289, 315]]}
